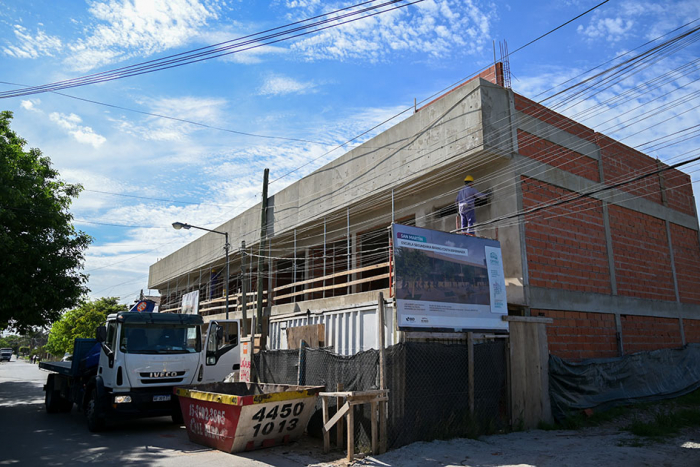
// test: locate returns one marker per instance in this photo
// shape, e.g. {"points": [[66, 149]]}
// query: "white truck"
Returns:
{"points": [[136, 360], [6, 354]]}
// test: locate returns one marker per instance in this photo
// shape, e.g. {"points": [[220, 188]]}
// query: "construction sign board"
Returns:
{"points": [[448, 282], [190, 303]]}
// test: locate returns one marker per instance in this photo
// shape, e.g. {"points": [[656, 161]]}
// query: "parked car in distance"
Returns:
{"points": [[67, 357], [5, 354]]}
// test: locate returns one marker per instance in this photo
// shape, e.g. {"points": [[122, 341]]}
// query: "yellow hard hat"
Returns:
{"points": [[468, 178]]}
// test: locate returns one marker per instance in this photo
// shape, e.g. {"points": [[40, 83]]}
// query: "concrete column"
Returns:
{"points": [[609, 248], [675, 281], [673, 262], [608, 233], [355, 250], [294, 266], [682, 329], [523, 245], [662, 183], [306, 268], [618, 327], [348, 251]]}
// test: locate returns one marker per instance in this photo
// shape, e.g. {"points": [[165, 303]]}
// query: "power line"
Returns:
{"points": [[526, 212], [201, 54], [176, 119], [451, 86]]}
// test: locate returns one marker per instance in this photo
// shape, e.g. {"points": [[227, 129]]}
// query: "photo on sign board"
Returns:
{"points": [[190, 303], [440, 278], [445, 281]]}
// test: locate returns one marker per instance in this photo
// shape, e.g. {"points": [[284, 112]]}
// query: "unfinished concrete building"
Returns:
{"points": [[616, 268]]}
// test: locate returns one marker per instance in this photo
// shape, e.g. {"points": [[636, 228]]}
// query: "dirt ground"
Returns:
{"points": [[600, 446]]}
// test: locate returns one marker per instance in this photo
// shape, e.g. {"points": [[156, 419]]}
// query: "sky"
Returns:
{"points": [[306, 95]]}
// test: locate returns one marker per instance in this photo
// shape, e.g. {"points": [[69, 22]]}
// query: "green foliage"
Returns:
{"points": [[23, 351], [651, 421], [80, 322], [12, 341], [42, 252], [412, 265], [665, 424]]}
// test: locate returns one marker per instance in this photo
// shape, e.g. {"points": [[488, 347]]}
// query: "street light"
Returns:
{"points": [[182, 225]]}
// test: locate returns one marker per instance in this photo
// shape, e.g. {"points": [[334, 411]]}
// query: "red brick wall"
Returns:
{"points": [[565, 245], [686, 253], [493, 74], [679, 191], [578, 335], [642, 260], [621, 163], [532, 108], [550, 153], [649, 333], [691, 327]]}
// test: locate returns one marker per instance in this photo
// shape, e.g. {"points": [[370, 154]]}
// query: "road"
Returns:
{"points": [[30, 436]]}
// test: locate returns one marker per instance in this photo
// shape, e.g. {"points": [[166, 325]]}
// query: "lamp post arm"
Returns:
{"points": [[210, 230]]}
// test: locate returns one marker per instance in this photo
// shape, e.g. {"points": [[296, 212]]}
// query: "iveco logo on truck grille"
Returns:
{"points": [[160, 374]]}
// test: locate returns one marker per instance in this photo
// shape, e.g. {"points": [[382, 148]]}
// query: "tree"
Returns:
{"points": [[12, 341], [411, 265], [40, 250], [80, 322]]}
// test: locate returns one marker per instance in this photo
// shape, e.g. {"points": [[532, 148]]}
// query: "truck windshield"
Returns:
{"points": [[153, 339]]}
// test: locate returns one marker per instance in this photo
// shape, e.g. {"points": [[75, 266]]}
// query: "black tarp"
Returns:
{"points": [[605, 383]]}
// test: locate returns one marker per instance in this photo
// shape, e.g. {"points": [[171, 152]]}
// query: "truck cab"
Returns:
{"points": [[136, 360], [144, 355], [5, 354]]}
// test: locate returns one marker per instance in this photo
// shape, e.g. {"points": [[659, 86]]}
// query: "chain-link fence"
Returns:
{"points": [[429, 387]]}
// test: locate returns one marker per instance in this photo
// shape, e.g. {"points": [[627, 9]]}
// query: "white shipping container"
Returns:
{"points": [[348, 330]]}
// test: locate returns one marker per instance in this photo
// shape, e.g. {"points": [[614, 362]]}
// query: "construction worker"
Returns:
{"points": [[466, 199]]}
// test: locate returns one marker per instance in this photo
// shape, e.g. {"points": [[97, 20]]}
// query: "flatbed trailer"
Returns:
{"points": [[66, 384]]}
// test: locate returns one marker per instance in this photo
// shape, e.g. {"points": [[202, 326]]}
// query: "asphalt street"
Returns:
{"points": [[30, 436]]}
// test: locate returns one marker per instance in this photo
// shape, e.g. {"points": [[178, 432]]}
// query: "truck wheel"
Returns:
{"points": [[95, 422], [178, 419], [52, 399], [65, 406]]}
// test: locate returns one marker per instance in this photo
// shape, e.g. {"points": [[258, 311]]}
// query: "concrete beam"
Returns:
{"points": [[566, 300], [557, 136], [563, 179]]}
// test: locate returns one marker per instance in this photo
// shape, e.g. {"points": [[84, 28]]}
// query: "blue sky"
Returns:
{"points": [[323, 88]]}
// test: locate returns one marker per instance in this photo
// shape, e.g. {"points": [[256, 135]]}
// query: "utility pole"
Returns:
{"points": [[261, 252], [244, 292]]}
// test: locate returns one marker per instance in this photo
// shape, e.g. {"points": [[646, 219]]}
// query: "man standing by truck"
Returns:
{"points": [[466, 201]]}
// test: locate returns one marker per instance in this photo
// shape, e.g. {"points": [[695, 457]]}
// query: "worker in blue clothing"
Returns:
{"points": [[466, 199]]}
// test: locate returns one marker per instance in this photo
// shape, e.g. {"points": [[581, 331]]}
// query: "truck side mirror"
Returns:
{"points": [[219, 334], [101, 334]]}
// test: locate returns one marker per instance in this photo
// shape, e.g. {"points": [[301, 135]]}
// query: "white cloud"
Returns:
{"points": [[82, 134], [32, 46], [129, 29], [638, 18], [208, 111], [610, 29], [280, 85], [254, 56], [436, 28], [30, 104]]}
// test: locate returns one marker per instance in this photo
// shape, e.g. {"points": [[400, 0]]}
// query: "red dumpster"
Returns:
{"points": [[235, 417]]}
